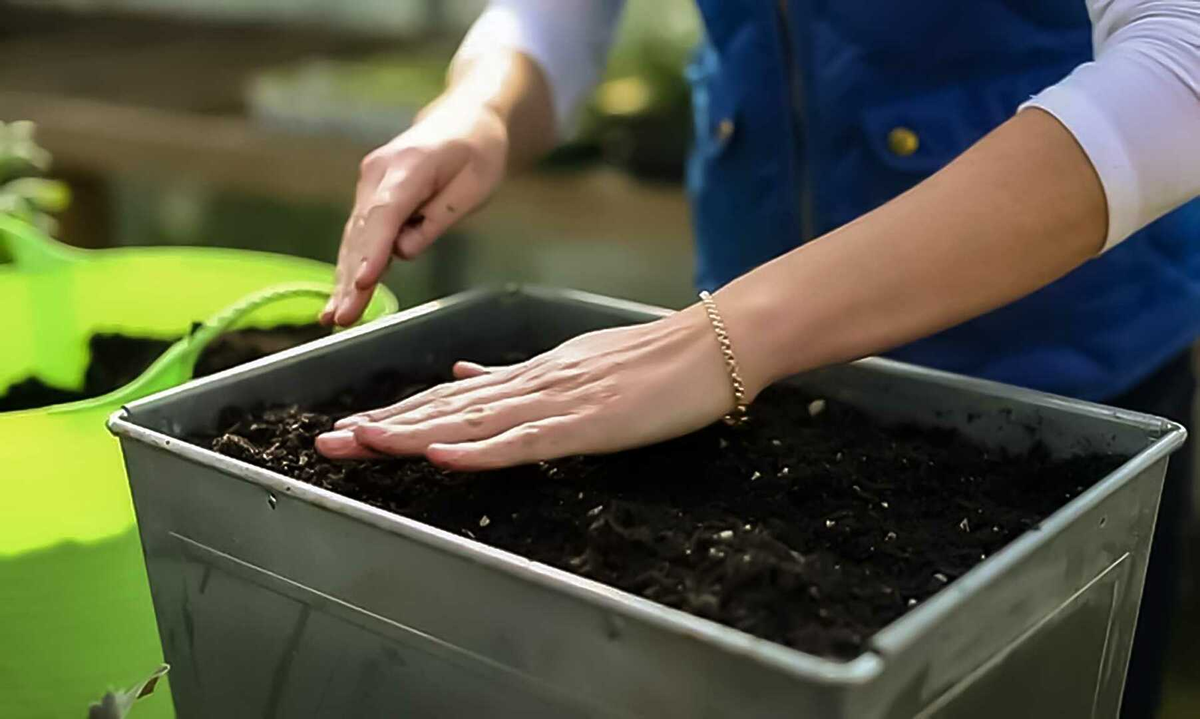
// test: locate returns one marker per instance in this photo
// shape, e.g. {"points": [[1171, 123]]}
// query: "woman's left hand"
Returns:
{"points": [[601, 392]]}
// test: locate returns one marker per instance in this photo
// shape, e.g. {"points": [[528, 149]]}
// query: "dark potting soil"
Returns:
{"points": [[116, 360], [811, 531]]}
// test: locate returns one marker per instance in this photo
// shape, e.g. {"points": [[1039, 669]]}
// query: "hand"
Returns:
{"points": [[601, 392], [410, 191]]}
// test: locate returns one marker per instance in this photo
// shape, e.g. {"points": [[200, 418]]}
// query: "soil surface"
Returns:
{"points": [[118, 360], [811, 531]]}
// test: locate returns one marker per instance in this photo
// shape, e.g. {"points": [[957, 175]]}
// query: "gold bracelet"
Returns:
{"points": [[739, 414]]}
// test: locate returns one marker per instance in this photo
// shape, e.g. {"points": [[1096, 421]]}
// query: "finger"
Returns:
{"points": [[402, 191], [467, 370], [326, 316], [438, 214], [456, 398], [371, 235], [343, 445], [477, 422], [444, 399], [536, 441], [351, 306]]}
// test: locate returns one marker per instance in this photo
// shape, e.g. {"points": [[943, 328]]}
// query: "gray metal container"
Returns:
{"points": [[278, 599]]}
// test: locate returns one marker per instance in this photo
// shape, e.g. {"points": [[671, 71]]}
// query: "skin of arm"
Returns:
{"points": [[1013, 213], [1016, 211]]}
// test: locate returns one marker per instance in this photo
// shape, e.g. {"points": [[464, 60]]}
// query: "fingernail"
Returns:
{"points": [[441, 455], [348, 422], [335, 443]]}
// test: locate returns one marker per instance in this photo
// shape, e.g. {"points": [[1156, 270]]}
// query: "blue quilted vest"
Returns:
{"points": [[801, 109]]}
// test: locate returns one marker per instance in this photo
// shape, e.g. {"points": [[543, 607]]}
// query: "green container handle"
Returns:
{"points": [[178, 363], [32, 250]]}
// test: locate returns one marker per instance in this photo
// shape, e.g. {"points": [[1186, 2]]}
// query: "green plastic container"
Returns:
{"points": [[75, 611]]}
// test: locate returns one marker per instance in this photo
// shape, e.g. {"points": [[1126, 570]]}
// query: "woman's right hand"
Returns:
{"points": [[410, 191]]}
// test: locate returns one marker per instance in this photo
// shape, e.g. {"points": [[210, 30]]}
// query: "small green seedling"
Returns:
{"points": [[23, 193]]}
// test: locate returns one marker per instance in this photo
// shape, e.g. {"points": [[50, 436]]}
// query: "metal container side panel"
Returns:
{"points": [[255, 596], [1055, 618]]}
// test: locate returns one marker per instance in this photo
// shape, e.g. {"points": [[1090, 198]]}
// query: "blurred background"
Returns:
{"points": [[240, 123]]}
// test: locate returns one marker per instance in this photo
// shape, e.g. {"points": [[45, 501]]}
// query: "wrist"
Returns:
{"points": [[762, 331]]}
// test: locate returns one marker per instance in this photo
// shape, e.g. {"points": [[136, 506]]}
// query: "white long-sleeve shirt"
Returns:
{"points": [[1135, 109]]}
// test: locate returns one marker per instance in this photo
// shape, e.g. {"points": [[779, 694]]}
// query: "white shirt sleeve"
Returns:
{"points": [[568, 39], [1135, 110]]}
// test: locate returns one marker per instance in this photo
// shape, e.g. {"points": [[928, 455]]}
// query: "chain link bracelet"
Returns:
{"points": [[739, 413]]}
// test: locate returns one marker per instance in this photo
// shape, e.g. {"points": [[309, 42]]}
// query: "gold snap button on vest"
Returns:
{"points": [[903, 141], [724, 129]]}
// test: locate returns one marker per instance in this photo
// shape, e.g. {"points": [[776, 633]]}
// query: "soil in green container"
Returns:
{"points": [[116, 360], [813, 529]]}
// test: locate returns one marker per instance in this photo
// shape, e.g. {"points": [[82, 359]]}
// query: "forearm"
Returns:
{"points": [[509, 84], [1016, 211]]}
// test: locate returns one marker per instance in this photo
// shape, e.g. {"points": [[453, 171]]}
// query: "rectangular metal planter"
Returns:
{"points": [[275, 598]]}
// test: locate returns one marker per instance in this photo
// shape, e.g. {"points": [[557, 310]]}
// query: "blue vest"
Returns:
{"points": [[794, 101]]}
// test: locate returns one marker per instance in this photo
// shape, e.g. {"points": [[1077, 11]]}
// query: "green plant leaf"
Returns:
{"points": [[45, 195]]}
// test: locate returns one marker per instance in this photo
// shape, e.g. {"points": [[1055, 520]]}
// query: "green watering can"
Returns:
{"points": [[75, 613]]}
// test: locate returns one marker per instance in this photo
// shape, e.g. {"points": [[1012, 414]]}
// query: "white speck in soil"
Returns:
{"points": [[912, 602], [965, 525], [755, 476], [581, 495], [829, 523], [748, 527], [889, 537], [484, 521], [783, 472], [816, 407], [723, 443], [995, 528], [468, 533], [883, 504], [837, 457], [595, 510], [716, 553], [776, 443], [727, 534], [941, 577]]}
